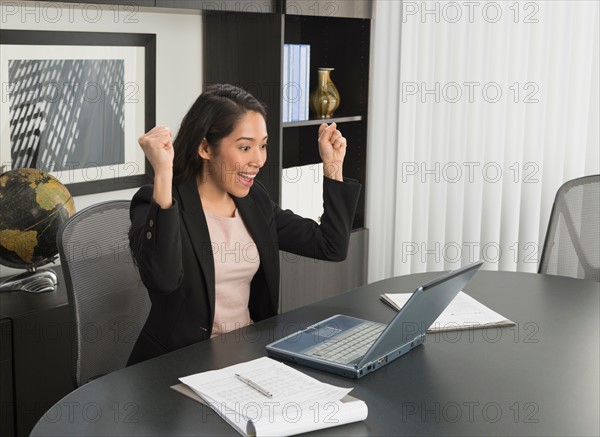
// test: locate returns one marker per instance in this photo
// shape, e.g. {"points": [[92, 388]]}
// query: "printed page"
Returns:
{"points": [[464, 312], [296, 402]]}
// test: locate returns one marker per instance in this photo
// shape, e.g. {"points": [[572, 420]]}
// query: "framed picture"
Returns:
{"points": [[74, 103]]}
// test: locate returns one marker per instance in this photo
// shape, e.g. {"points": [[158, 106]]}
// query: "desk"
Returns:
{"points": [[537, 378]]}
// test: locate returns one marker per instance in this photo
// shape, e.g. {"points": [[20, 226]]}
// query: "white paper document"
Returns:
{"points": [[464, 312], [266, 397]]}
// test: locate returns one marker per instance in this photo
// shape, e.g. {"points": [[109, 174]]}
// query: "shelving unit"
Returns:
{"points": [[246, 49], [343, 44]]}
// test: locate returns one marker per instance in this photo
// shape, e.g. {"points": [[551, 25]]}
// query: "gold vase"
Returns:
{"points": [[325, 98]]}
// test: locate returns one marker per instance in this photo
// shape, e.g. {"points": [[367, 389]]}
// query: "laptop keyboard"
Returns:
{"points": [[350, 345]]}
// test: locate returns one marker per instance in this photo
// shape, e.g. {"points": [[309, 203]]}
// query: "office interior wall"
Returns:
{"points": [[178, 54], [479, 112]]}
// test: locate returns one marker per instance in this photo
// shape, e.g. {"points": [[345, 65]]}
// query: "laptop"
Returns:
{"points": [[354, 347]]}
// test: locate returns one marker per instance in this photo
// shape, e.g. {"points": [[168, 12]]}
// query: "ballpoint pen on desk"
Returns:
{"points": [[254, 385]]}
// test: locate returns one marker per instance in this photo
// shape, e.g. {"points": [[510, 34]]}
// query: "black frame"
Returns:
{"points": [[147, 41]]}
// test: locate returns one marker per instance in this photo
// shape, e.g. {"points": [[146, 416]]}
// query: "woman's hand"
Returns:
{"points": [[332, 148], [158, 147]]}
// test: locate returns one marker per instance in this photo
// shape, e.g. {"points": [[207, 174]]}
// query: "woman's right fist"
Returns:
{"points": [[158, 147]]}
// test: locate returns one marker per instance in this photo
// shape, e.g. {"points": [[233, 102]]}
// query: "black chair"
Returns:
{"points": [[108, 302], [572, 244]]}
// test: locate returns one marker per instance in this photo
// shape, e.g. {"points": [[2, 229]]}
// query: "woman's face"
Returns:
{"points": [[232, 167]]}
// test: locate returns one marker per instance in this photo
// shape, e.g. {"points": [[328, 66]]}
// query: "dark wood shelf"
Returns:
{"points": [[318, 121]]}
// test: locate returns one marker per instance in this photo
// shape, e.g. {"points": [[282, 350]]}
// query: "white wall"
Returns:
{"points": [[178, 53]]}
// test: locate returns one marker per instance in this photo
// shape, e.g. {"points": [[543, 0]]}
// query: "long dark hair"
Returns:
{"points": [[213, 116]]}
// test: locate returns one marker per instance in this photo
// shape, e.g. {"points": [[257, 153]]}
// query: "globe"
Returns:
{"points": [[33, 206]]}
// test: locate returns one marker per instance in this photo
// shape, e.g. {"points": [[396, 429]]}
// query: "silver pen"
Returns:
{"points": [[254, 385]]}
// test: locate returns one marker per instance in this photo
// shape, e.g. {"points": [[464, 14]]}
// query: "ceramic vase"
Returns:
{"points": [[325, 98]]}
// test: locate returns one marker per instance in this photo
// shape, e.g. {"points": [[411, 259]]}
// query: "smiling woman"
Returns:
{"points": [[232, 166], [206, 236]]}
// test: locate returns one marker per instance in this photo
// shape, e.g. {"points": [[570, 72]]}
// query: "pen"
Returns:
{"points": [[254, 385]]}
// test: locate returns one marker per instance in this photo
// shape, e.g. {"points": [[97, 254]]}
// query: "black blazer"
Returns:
{"points": [[173, 251]]}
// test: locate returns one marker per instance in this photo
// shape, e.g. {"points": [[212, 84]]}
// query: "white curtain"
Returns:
{"points": [[479, 111]]}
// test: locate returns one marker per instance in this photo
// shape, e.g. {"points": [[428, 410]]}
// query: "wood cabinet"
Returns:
{"points": [[306, 280], [35, 356]]}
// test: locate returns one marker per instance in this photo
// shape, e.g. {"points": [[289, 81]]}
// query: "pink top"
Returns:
{"points": [[236, 261]]}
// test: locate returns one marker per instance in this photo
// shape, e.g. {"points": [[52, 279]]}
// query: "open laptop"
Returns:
{"points": [[354, 347]]}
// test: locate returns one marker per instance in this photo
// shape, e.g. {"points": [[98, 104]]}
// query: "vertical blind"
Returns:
{"points": [[479, 111]]}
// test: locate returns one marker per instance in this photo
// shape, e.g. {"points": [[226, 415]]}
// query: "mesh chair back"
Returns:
{"points": [[109, 304], [572, 245]]}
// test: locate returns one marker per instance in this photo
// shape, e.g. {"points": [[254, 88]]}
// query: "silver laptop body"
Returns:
{"points": [[354, 347]]}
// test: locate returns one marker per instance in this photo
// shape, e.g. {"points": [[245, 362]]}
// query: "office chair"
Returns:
{"points": [[108, 302], [572, 244]]}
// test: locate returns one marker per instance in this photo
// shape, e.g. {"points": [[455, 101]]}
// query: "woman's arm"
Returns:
{"points": [[158, 147], [155, 241], [155, 233], [330, 239], [332, 148]]}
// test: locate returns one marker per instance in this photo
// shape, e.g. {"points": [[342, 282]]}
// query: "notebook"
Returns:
{"points": [[354, 347]]}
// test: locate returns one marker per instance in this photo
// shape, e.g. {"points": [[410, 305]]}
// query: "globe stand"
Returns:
{"points": [[32, 281]]}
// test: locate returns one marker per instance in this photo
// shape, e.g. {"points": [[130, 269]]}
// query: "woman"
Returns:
{"points": [[206, 236]]}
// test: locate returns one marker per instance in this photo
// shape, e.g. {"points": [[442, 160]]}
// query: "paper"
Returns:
{"points": [[298, 404], [464, 312]]}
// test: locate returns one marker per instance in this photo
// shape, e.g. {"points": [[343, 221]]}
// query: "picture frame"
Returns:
{"points": [[75, 104]]}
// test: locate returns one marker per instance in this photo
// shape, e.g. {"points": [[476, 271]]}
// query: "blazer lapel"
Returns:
{"points": [[197, 228], [251, 216], [258, 228]]}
